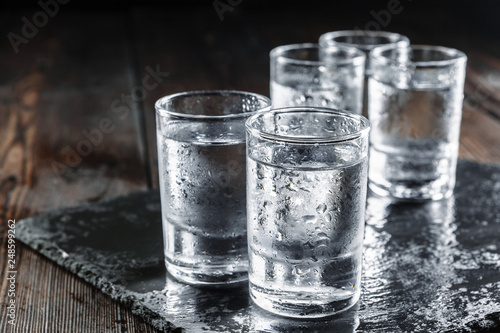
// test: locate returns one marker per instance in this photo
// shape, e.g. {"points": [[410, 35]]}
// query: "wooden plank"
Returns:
{"points": [[480, 130], [62, 143], [483, 82], [480, 136]]}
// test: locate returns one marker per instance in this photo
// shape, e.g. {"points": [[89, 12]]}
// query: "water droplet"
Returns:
{"points": [[301, 270], [329, 217], [309, 218], [322, 240], [323, 235], [280, 214], [291, 187], [321, 208]]}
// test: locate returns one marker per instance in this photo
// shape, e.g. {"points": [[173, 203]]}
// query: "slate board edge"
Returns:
{"points": [[130, 300], [85, 271]]}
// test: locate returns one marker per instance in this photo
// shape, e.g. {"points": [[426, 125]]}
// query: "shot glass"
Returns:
{"points": [[201, 159], [416, 96], [366, 41], [301, 75], [306, 194]]}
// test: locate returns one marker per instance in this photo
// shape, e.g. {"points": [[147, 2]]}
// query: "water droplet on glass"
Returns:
{"points": [[329, 217], [309, 218], [322, 240], [323, 235], [301, 270], [321, 208]]}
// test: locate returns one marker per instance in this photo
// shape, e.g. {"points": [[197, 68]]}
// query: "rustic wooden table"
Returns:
{"points": [[77, 90]]}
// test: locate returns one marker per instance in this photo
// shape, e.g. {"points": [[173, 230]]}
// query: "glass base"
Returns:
{"points": [[294, 305], [413, 192], [214, 276]]}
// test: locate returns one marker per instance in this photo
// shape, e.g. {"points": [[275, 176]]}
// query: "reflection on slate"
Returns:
{"points": [[428, 267]]}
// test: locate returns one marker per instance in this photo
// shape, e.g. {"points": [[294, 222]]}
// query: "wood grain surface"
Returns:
{"points": [[77, 109]]}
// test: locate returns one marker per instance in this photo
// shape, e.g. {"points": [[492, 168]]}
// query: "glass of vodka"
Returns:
{"points": [[301, 75], [415, 108], [306, 194], [201, 164], [365, 40]]}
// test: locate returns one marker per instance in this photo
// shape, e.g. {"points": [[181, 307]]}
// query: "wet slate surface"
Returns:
{"points": [[428, 267]]}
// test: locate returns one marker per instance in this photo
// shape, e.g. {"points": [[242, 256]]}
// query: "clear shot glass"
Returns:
{"points": [[366, 41], [306, 194], [301, 75], [201, 160], [416, 97]]}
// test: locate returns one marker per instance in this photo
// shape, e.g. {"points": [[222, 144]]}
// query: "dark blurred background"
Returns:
{"points": [[442, 18], [101, 50]]}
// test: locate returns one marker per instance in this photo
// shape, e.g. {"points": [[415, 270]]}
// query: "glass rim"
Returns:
{"points": [[358, 57], [456, 56], [164, 111], [327, 39], [364, 122]]}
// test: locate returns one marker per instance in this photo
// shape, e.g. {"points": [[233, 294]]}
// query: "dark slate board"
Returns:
{"points": [[428, 267]]}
